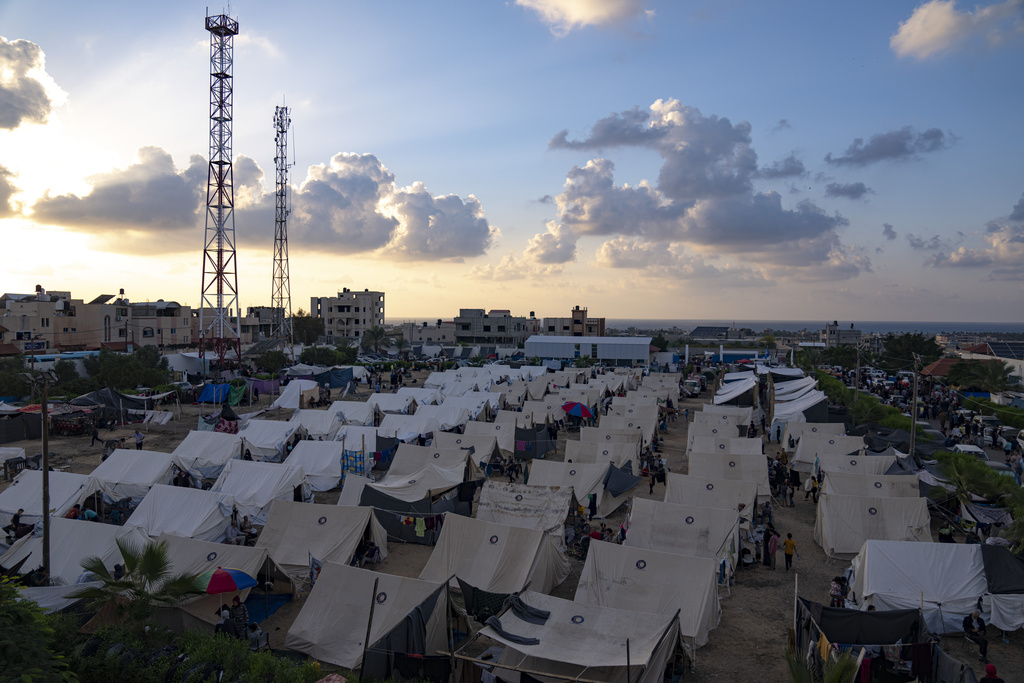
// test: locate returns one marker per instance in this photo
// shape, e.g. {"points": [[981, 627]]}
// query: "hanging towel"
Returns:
{"points": [[421, 526]]}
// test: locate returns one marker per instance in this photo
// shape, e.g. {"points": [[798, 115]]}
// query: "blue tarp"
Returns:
{"points": [[335, 378], [215, 393], [261, 606]]}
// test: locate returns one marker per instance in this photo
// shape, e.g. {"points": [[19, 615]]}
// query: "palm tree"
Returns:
{"points": [[374, 338], [147, 582], [993, 376], [838, 670], [402, 345], [808, 358]]}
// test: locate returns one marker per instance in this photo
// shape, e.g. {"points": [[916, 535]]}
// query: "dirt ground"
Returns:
{"points": [[757, 612]]}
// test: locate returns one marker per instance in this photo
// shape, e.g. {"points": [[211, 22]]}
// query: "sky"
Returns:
{"points": [[662, 159]]}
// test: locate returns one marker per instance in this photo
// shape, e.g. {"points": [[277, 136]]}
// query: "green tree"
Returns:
{"points": [[374, 338], [347, 352], [11, 381], [994, 376], [319, 355], [838, 670], [27, 641], [769, 341], [843, 356], [306, 328], [808, 358], [584, 362], [272, 361], [147, 582], [900, 349], [660, 342], [66, 371], [403, 346], [150, 358]]}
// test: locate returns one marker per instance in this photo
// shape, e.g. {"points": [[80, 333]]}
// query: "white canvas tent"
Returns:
{"points": [[358, 438], [410, 459], [844, 523], [392, 403], [484, 447], [736, 391], [504, 434], [593, 452], [583, 478], [645, 424], [735, 467], [179, 511], [724, 445], [128, 472], [266, 439], [872, 485], [255, 485], [330, 533], [860, 464], [685, 530], [531, 507], [607, 434], [208, 452], [320, 424], [354, 412], [71, 541], [296, 394], [814, 445], [321, 462], [447, 417], [795, 430], [333, 622], [796, 409], [682, 489], [408, 428], [947, 577], [642, 580], [424, 396], [741, 415], [494, 557], [26, 492], [584, 642]]}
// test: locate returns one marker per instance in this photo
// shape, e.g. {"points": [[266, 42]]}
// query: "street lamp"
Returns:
{"points": [[44, 380]]}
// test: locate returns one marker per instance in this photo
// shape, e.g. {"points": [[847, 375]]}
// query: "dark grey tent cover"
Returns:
{"points": [[390, 512], [537, 440], [108, 398], [335, 378], [1004, 571], [857, 627], [407, 638], [618, 481]]}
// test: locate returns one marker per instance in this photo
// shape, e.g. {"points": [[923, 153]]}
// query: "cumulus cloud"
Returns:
{"points": [[896, 145], [351, 204], [922, 243], [1017, 215], [23, 84], [7, 190], [1002, 254], [513, 267], [671, 261], [150, 196], [782, 125], [562, 16], [937, 26], [847, 190], [784, 168], [703, 199], [888, 231]]}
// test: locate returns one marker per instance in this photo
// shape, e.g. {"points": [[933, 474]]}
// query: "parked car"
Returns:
{"points": [[971, 450]]}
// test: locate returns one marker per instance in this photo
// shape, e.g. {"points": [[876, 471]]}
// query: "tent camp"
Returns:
{"points": [[715, 429], [321, 462], [592, 452], [268, 440], [577, 641], [358, 437], [26, 492], [645, 423], [190, 555], [735, 467], [424, 396], [811, 406], [527, 506], [504, 434], [447, 417], [480, 404], [741, 392], [872, 485], [683, 489], [586, 479], [484, 447], [739, 414], [178, 511], [814, 445], [410, 459], [208, 452], [71, 541], [354, 412], [320, 424], [844, 523], [794, 430], [607, 434], [392, 403], [685, 530], [128, 472], [332, 626], [297, 394], [724, 445], [328, 533], [643, 580], [496, 558], [539, 412], [255, 485]]}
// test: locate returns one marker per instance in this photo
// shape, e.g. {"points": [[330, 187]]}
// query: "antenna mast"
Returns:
{"points": [[281, 291], [218, 332]]}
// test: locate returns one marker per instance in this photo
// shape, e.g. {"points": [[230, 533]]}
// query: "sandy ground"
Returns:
{"points": [[757, 612]]}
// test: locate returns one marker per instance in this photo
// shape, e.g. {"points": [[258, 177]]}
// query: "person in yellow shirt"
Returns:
{"points": [[789, 548]]}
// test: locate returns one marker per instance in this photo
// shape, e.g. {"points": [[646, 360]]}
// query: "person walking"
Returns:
{"points": [[773, 547], [139, 436], [789, 549]]}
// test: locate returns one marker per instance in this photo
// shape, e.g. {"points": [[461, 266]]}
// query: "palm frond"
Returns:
{"points": [[130, 553], [95, 565], [799, 672], [154, 564], [840, 669], [180, 586]]}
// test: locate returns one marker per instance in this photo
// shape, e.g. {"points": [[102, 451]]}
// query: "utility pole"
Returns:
{"points": [[913, 409], [44, 379]]}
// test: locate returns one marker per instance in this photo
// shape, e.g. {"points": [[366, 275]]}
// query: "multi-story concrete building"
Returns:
{"points": [[833, 336], [442, 333], [475, 326], [579, 324], [348, 315]]}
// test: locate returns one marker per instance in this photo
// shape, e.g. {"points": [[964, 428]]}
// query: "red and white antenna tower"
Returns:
{"points": [[218, 331]]}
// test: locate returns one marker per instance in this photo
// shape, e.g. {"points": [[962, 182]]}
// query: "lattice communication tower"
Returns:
{"points": [[218, 334], [281, 292]]}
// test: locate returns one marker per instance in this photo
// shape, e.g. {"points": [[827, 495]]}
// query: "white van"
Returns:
{"points": [[971, 450]]}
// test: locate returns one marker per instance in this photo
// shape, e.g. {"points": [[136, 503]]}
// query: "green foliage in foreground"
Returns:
{"points": [[27, 641]]}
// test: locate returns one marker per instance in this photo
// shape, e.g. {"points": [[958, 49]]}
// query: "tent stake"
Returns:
{"points": [[369, 623]]}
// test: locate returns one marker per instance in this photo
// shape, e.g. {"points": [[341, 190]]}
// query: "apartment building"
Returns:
{"points": [[348, 315], [441, 333], [475, 326], [578, 324], [833, 335]]}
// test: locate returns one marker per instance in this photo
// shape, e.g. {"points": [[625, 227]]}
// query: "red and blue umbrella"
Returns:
{"points": [[577, 409], [226, 580]]}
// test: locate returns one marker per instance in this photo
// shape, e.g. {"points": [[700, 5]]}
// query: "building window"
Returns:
{"points": [[487, 328], [174, 330], [501, 328], [121, 332], [465, 328], [147, 332], [551, 328], [356, 310]]}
